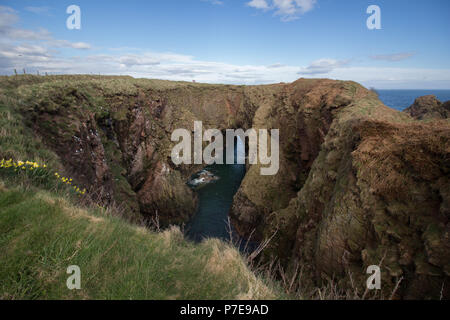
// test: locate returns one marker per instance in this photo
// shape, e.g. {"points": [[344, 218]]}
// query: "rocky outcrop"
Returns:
{"points": [[376, 195], [429, 108], [112, 135], [303, 111], [359, 184]]}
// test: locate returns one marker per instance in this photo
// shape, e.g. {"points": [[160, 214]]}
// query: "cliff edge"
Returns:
{"points": [[359, 183]]}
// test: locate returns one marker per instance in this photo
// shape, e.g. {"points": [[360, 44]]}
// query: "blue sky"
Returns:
{"points": [[233, 41]]}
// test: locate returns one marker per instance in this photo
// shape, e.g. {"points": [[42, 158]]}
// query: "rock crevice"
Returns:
{"points": [[359, 184]]}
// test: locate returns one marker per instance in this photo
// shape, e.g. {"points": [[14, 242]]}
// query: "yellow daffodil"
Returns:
{"points": [[32, 165]]}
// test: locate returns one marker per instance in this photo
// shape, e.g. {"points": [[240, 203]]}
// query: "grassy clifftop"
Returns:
{"points": [[42, 234]]}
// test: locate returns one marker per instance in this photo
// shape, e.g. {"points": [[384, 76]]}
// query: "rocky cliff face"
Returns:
{"points": [[112, 134], [303, 111], [359, 184], [376, 195], [429, 108]]}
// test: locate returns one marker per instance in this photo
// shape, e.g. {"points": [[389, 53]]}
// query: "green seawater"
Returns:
{"points": [[215, 199]]}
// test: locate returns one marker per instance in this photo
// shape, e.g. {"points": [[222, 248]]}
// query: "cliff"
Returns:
{"points": [[429, 108], [112, 134], [359, 183]]}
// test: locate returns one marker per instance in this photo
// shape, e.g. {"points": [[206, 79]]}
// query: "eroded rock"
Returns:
{"points": [[359, 183], [429, 108]]}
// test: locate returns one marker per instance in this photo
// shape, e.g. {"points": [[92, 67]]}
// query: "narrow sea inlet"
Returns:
{"points": [[215, 186]]}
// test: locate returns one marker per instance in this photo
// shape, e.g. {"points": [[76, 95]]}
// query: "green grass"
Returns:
{"points": [[42, 234], [17, 141], [44, 229]]}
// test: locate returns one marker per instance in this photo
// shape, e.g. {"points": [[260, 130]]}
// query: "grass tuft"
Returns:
{"points": [[42, 234]]}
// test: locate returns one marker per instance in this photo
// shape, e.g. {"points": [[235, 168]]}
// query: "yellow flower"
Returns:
{"points": [[31, 165]]}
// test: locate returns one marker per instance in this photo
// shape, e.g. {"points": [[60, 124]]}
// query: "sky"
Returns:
{"points": [[233, 41]]}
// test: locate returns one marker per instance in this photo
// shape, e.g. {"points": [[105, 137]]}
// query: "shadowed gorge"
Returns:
{"points": [[359, 183], [215, 186]]}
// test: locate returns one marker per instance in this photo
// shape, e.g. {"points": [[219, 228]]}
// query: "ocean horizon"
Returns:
{"points": [[400, 99]]}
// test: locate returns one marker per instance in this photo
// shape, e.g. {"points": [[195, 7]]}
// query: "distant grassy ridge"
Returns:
{"points": [[42, 234]]}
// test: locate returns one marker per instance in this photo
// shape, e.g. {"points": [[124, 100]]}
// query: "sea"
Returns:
{"points": [[402, 99]]}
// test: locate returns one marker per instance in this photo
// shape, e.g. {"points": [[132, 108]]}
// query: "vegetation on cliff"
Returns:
{"points": [[429, 108], [362, 184], [43, 234], [48, 224]]}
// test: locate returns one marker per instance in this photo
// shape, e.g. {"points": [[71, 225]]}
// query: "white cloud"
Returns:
{"points": [[22, 34], [37, 51], [18, 57], [131, 60], [393, 57], [30, 50], [168, 66], [68, 44], [258, 4], [322, 66], [8, 16], [11, 34], [288, 10], [171, 66], [276, 65], [79, 45], [395, 78]]}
